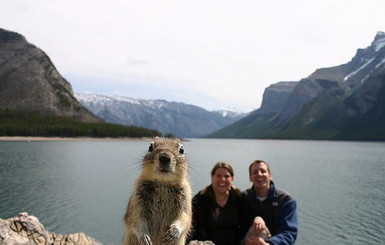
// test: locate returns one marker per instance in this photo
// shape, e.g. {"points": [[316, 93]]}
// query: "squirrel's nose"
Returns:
{"points": [[164, 159]]}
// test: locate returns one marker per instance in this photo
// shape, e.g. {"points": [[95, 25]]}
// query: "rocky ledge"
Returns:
{"points": [[27, 230]]}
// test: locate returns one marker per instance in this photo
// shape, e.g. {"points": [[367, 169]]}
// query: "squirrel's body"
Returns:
{"points": [[159, 209]]}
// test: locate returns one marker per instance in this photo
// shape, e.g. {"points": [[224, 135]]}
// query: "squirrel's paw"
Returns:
{"points": [[172, 234], [145, 240]]}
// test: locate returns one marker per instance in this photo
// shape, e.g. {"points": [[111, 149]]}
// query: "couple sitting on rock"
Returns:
{"points": [[262, 214]]}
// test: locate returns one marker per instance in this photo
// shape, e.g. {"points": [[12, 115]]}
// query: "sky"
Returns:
{"points": [[215, 54]]}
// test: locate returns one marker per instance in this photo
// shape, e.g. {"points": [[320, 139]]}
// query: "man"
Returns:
{"points": [[277, 209]]}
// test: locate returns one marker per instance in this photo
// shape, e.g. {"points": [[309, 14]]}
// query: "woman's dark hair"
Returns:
{"points": [[222, 165]]}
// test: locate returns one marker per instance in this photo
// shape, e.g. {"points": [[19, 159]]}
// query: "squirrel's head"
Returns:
{"points": [[165, 160]]}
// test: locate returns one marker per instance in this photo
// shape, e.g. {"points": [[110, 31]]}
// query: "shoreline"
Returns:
{"points": [[39, 138]]}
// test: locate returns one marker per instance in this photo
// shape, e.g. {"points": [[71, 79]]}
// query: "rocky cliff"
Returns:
{"points": [[276, 96], [27, 230], [30, 81]]}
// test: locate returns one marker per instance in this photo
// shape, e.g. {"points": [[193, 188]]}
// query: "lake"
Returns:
{"points": [[74, 186]]}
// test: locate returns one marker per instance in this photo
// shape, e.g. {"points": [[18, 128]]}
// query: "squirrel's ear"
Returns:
{"points": [[181, 149], [151, 147]]}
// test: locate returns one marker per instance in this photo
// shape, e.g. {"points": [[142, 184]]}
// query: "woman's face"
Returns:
{"points": [[221, 180]]}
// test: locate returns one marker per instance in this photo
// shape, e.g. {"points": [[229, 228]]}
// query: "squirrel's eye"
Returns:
{"points": [[181, 149], [151, 147]]}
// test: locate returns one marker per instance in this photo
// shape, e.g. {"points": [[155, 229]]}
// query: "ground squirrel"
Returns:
{"points": [[159, 209]]}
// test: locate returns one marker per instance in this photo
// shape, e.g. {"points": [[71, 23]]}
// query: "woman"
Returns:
{"points": [[216, 209]]}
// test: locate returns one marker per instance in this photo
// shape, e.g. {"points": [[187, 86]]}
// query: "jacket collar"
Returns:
{"points": [[271, 191]]}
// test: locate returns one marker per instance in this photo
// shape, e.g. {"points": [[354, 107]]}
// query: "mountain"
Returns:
{"points": [[30, 82], [345, 102], [179, 119]]}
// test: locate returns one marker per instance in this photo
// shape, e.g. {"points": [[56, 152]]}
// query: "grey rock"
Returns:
{"points": [[27, 230], [196, 242]]}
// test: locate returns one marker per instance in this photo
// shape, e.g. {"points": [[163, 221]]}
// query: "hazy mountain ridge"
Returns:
{"points": [[341, 102], [177, 118]]}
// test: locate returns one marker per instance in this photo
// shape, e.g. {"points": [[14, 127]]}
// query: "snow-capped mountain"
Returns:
{"points": [[340, 102], [179, 119]]}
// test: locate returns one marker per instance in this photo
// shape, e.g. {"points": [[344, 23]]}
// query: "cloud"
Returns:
{"points": [[214, 53]]}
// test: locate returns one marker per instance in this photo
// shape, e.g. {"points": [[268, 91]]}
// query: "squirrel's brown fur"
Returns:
{"points": [[159, 209]]}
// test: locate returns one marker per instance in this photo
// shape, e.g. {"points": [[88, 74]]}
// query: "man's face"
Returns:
{"points": [[260, 176]]}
